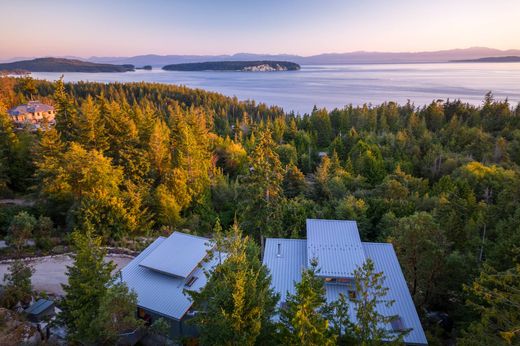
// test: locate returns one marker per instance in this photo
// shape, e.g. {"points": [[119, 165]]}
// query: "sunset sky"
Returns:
{"points": [[31, 28]]}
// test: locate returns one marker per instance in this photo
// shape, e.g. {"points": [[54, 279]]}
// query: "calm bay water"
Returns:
{"points": [[337, 85]]}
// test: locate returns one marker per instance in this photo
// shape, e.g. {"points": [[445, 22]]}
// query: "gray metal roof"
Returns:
{"points": [[39, 306], [178, 255], [286, 269], [161, 293], [385, 260], [336, 245]]}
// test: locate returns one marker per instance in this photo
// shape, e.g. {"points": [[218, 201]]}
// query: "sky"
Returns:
{"points": [[36, 28]]}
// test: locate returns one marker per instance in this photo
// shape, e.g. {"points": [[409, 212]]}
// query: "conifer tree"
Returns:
{"points": [[7, 141], [303, 316], [495, 296], [236, 305], [117, 313], [372, 327], [159, 148], [321, 124], [89, 127], [17, 284], [88, 279], [338, 312], [368, 162], [190, 140], [49, 149], [294, 183], [65, 110], [264, 192], [422, 249]]}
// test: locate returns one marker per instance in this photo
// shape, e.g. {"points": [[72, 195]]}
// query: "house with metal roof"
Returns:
{"points": [[162, 274], [338, 250], [32, 115]]}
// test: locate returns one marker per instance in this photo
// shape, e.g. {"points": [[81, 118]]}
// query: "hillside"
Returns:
{"points": [[63, 65], [250, 66], [511, 58]]}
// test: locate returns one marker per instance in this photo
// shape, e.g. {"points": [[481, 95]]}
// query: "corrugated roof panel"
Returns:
{"points": [[162, 293], [286, 268], [385, 260], [39, 306], [177, 255], [336, 245]]}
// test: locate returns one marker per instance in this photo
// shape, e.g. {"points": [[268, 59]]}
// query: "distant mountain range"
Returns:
{"points": [[63, 65], [360, 57], [321, 59]]}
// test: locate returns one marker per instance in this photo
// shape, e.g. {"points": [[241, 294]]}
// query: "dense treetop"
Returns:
{"points": [[441, 182]]}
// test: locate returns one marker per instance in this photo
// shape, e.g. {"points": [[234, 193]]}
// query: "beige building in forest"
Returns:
{"points": [[33, 115]]}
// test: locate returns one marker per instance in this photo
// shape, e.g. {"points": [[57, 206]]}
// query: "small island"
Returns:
{"points": [[510, 58], [63, 65], [246, 66]]}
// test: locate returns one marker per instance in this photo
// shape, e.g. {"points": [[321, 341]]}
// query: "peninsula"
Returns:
{"points": [[63, 65]]}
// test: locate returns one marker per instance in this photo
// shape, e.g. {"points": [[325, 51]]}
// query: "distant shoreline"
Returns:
{"points": [[495, 59]]}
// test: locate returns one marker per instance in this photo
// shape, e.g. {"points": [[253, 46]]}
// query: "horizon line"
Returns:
{"points": [[251, 53]]}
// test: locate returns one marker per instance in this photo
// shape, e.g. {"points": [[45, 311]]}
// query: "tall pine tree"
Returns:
{"points": [[88, 279], [372, 327], [303, 316], [264, 193], [237, 303]]}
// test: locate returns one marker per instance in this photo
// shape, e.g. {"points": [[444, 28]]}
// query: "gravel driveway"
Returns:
{"points": [[50, 271]]}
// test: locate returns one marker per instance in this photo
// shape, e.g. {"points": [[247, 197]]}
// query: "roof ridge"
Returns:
{"points": [[331, 220], [291, 239], [189, 235], [376, 243]]}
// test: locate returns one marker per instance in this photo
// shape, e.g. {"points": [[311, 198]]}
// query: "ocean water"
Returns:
{"points": [[333, 86]]}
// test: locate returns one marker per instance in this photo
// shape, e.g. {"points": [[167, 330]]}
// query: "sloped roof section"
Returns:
{"points": [[336, 245], [178, 255], [39, 306], [160, 293], [286, 259], [385, 260]]}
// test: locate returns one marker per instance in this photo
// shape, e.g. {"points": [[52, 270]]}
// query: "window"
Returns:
{"points": [[191, 280], [142, 314], [341, 281], [352, 295], [397, 324]]}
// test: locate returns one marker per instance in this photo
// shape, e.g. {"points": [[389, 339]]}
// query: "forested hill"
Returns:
{"points": [[63, 65], [493, 59], [265, 65], [441, 182]]}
